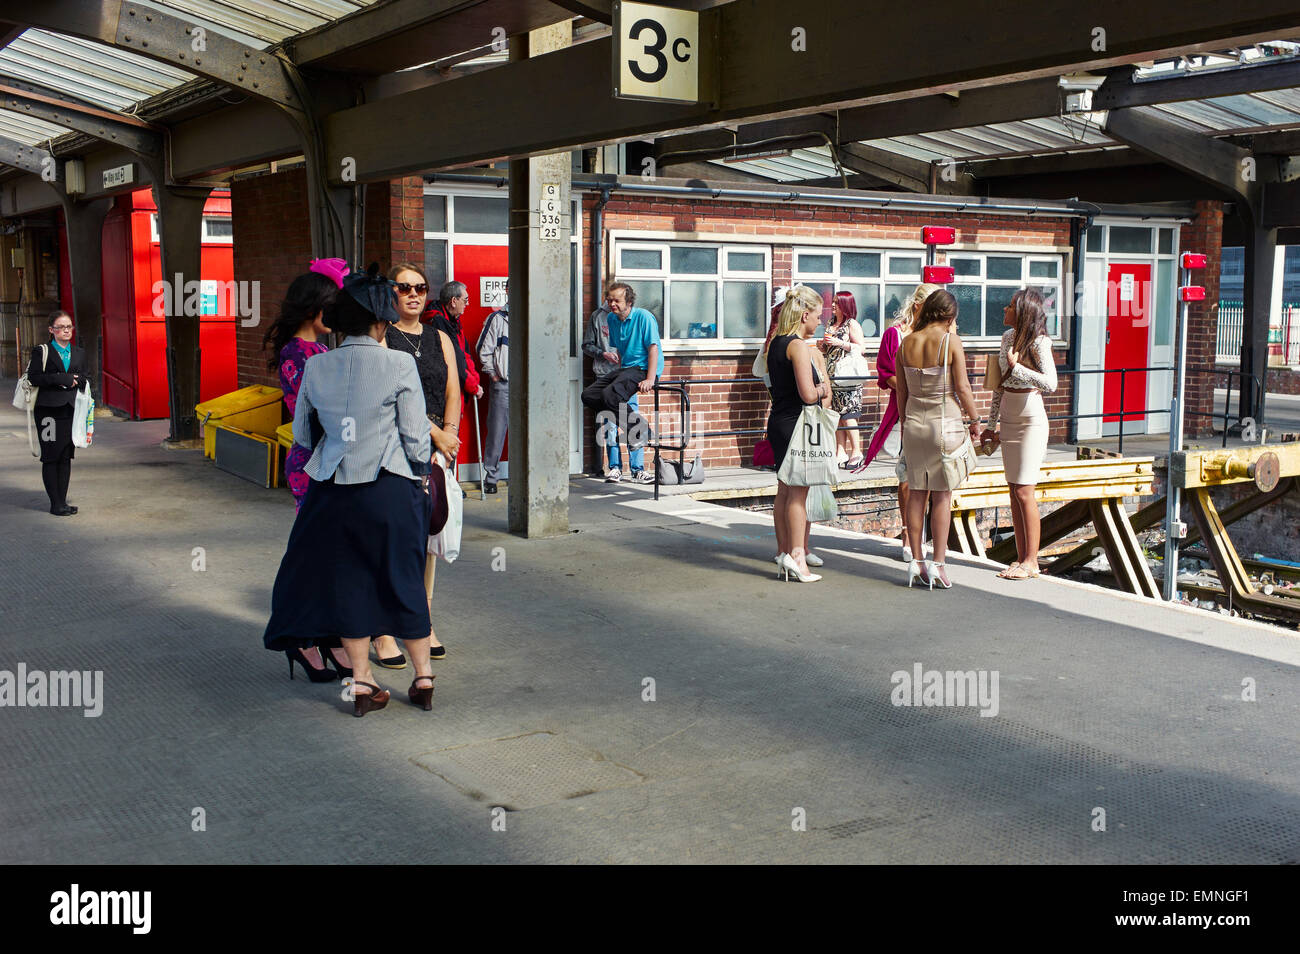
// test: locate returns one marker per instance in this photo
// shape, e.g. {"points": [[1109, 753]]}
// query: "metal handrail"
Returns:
{"points": [[681, 385]]}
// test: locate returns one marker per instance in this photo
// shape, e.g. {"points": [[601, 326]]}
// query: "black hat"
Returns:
{"points": [[367, 297]]}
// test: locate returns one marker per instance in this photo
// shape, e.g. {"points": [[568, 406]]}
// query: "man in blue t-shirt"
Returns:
{"points": [[634, 344]]}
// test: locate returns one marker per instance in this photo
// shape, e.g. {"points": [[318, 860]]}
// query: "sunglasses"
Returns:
{"points": [[62, 327], [405, 288]]}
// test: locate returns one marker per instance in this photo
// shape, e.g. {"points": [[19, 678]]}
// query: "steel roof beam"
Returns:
{"points": [[399, 34], [754, 73], [31, 159], [127, 131], [1221, 164], [1121, 89], [164, 37]]}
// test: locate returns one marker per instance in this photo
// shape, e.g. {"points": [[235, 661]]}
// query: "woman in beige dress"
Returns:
{"points": [[1028, 372], [932, 367]]}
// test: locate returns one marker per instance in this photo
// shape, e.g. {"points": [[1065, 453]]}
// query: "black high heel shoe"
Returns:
{"points": [[323, 674], [343, 671]]}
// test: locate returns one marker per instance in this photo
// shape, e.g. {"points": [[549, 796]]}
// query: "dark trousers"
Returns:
{"points": [[610, 392], [54, 426]]}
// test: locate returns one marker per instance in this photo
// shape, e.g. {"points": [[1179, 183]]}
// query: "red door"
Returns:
{"points": [[471, 264], [1128, 328]]}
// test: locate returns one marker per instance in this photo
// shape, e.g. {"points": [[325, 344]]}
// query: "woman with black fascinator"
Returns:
{"points": [[354, 565]]}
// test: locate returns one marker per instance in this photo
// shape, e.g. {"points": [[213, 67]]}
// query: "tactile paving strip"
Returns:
{"points": [[527, 771]]}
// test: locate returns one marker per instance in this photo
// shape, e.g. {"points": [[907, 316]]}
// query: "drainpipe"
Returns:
{"points": [[1078, 233], [598, 240]]}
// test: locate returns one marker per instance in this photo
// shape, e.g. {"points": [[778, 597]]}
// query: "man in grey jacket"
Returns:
{"points": [[494, 357]]}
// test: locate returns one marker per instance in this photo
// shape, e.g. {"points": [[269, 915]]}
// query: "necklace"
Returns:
{"points": [[416, 345]]}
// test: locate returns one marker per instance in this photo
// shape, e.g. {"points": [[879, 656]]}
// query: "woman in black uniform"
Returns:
{"points": [[59, 378], [795, 383]]}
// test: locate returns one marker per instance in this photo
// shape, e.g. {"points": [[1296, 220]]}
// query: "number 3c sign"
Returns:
{"points": [[656, 53]]}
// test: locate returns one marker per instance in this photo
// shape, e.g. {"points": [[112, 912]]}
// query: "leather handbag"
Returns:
{"points": [[992, 373], [957, 465], [671, 473]]}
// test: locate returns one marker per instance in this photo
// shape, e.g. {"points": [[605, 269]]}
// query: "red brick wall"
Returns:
{"points": [[272, 244], [739, 405], [1203, 234], [1283, 381]]}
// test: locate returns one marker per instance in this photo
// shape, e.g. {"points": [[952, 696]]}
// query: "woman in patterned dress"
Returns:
{"points": [[294, 338]]}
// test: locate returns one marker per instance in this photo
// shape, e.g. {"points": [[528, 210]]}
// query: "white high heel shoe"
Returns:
{"points": [[788, 566], [933, 576], [913, 571], [779, 560], [813, 559]]}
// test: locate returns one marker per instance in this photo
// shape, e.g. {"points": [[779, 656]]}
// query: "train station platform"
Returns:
{"points": [[767, 734]]}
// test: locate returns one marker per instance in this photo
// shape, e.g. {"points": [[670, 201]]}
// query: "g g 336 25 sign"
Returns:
{"points": [[656, 53]]}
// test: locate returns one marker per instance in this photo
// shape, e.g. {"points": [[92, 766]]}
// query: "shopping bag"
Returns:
{"points": [[759, 369], [24, 391], [446, 544], [810, 459], [822, 507], [83, 418]]}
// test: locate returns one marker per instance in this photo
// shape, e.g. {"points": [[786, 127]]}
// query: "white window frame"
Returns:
{"points": [[888, 276], [993, 323], [205, 237], [724, 273]]}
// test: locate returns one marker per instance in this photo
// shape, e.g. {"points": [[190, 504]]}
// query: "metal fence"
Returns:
{"points": [[1283, 333]]}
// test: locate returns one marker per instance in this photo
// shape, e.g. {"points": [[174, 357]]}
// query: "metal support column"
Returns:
{"points": [[1173, 494], [85, 225], [180, 224], [1261, 247], [540, 314]]}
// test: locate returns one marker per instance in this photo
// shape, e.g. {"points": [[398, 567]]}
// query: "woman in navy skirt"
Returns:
{"points": [[354, 566]]}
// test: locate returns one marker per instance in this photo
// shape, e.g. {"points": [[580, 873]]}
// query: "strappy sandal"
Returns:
{"points": [[1005, 572], [1022, 573]]}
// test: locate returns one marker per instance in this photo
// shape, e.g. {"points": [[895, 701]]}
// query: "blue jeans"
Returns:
{"points": [[636, 455]]}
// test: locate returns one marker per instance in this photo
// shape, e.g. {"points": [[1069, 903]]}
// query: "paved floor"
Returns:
{"points": [[771, 701]]}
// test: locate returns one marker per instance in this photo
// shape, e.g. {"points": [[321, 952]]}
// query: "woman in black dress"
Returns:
{"points": [[61, 376], [795, 383], [433, 354]]}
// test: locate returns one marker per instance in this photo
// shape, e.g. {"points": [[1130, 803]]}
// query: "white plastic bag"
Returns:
{"points": [[759, 369], [811, 458], [822, 507], [446, 543], [83, 418]]}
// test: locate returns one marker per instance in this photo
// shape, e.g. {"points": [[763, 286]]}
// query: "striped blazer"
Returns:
{"points": [[370, 405]]}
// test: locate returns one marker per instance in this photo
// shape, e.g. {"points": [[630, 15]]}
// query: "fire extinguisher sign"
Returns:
{"points": [[656, 53]]}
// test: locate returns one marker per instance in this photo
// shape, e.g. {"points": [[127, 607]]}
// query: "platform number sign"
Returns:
{"points": [[656, 53], [549, 218]]}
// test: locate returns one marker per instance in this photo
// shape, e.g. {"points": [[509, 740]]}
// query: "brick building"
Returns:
{"points": [[707, 265]]}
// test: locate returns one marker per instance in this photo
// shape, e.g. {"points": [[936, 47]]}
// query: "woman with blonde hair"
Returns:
{"points": [[934, 373], [887, 380], [1028, 372], [796, 382]]}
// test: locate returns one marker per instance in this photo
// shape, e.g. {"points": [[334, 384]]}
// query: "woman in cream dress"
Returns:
{"points": [[932, 380], [1028, 372]]}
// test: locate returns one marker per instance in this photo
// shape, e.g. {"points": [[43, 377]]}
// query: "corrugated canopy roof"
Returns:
{"points": [[1072, 132], [119, 80]]}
